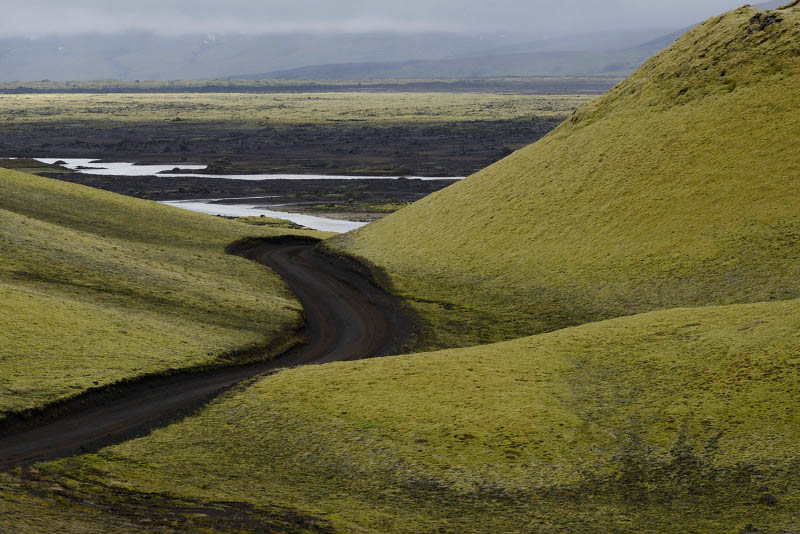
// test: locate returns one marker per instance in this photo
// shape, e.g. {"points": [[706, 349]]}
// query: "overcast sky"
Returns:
{"points": [[542, 17]]}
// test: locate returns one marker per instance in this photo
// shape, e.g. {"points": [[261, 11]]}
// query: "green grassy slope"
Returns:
{"points": [[678, 188], [96, 287], [648, 423], [682, 419]]}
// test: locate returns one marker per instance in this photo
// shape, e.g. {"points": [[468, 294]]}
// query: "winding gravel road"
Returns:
{"points": [[347, 318]]}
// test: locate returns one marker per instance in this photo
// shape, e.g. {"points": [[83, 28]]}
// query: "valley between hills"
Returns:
{"points": [[600, 332]]}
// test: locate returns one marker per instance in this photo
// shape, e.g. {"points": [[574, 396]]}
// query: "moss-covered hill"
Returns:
{"points": [[96, 287], [682, 420], [678, 188]]}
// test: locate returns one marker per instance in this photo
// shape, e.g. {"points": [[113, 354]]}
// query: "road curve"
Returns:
{"points": [[346, 318]]}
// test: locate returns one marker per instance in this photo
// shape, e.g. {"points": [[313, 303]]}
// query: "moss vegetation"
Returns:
{"points": [[638, 424], [677, 188], [268, 221], [262, 109], [32, 166], [95, 288], [664, 218]]}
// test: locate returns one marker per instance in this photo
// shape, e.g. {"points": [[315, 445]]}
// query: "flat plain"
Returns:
{"points": [[412, 133], [258, 110]]}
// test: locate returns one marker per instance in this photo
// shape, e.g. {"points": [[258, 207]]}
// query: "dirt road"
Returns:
{"points": [[347, 318]]}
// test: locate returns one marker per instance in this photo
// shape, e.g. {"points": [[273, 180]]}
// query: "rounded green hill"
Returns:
{"points": [[678, 188]]}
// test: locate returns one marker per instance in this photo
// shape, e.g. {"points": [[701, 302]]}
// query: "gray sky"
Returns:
{"points": [[542, 17]]}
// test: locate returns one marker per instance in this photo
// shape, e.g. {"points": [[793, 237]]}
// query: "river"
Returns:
{"points": [[90, 166], [210, 206]]}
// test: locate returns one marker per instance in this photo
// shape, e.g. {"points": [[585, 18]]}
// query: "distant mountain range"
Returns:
{"points": [[533, 59], [146, 56], [141, 55], [549, 63], [772, 5], [575, 56]]}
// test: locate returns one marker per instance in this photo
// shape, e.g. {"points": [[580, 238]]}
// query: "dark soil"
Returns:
{"points": [[272, 192], [422, 149]]}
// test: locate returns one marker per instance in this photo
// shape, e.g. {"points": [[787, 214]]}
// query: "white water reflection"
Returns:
{"points": [[117, 169], [246, 210], [129, 169], [88, 166]]}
